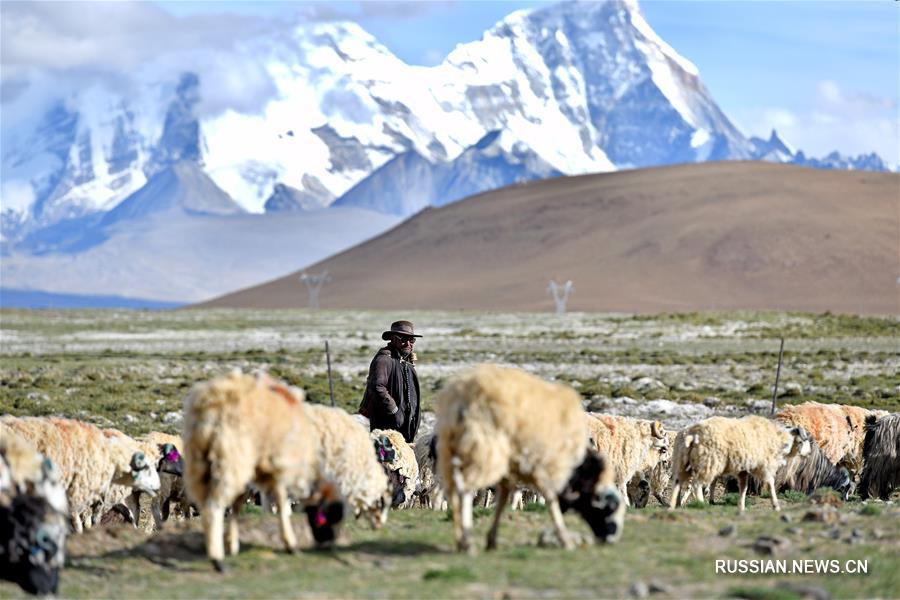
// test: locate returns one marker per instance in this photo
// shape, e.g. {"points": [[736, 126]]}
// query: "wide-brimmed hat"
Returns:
{"points": [[400, 328]]}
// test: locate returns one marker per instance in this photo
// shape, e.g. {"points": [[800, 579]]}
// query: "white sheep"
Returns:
{"points": [[500, 426], [750, 446], [88, 462], [344, 455], [404, 463], [630, 445], [240, 430]]}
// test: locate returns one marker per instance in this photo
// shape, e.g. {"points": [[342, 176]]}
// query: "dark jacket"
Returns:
{"points": [[384, 402]]}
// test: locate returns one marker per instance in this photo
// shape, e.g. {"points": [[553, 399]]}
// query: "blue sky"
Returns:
{"points": [[826, 74]]}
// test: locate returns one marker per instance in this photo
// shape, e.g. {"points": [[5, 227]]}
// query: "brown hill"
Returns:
{"points": [[728, 235]]}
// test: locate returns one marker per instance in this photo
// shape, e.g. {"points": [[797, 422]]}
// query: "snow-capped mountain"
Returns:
{"points": [[584, 86], [566, 89], [410, 182], [775, 149]]}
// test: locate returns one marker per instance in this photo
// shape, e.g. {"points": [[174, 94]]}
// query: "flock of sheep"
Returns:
{"points": [[499, 432]]}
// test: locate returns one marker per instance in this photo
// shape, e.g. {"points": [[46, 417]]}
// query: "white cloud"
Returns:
{"points": [[850, 122], [16, 195], [57, 48]]}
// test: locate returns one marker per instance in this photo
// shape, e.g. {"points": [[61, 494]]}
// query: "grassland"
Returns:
{"points": [[132, 369]]}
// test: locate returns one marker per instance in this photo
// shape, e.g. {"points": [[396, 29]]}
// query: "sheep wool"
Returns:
{"points": [[404, 462], [630, 445], [723, 446], [88, 464], [345, 456], [881, 471], [429, 490], [242, 429], [838, 429], [494, 428]]}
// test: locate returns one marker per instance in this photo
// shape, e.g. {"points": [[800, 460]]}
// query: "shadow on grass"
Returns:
{"points": [[393, 547]]}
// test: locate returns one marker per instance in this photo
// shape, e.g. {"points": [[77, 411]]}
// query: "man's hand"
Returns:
{"points": [[398, 418]]}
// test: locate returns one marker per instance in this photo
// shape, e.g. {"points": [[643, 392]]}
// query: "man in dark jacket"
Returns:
{"points": [[391, 399]]}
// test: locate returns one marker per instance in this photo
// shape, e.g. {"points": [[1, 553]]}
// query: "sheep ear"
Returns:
{"points": [[658, 430]]}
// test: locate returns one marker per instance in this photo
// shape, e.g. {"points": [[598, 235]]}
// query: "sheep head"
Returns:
{"points": [[144, 477], [33, 535], [325, 512], [600, 505], [799, 444], [171, 460], [384, 449]]}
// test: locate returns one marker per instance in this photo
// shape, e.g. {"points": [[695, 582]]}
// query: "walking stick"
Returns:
{"points": [[777, 375]]}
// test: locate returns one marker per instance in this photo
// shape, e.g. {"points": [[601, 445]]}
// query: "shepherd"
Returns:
{"points": [[392, 398]]}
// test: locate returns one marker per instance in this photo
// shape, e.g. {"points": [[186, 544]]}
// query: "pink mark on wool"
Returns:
{"points": [[321, 519]]}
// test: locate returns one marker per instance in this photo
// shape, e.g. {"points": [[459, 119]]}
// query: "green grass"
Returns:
{"points": [[130, 369], [413, 557]]}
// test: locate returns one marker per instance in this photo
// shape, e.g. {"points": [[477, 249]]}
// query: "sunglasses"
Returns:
{"points": [[402, 339]]}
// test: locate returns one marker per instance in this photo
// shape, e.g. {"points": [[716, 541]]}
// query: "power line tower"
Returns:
{"points": [[561, 294], [314, 285]]}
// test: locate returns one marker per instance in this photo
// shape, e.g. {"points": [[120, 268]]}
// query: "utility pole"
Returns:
{"points": [[560, 294], [314, 285]]}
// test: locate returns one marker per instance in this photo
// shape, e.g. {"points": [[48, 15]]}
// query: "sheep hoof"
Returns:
{"points": [[219, 565], [291, 550]]}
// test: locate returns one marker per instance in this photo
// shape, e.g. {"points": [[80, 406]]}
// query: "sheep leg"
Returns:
{"points": [[284, 516], [698, 491], [503, 489], [676, 493], [461, 507], [518, 499], [213, 518], [623, 491], [160, 511], [232, 537], [743, 481], [771, 481], [558, 523]]}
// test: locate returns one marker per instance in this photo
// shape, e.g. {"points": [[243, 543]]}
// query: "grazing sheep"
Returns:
{"points": [[809, 473], [33, 512], [429, 490], [170, 465], [881, 472], [344, 455], [741, 447], [404, 463], [123, 498], [88, 462], [240, 430], [630, 445], [839, 429], [500, 426]]}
